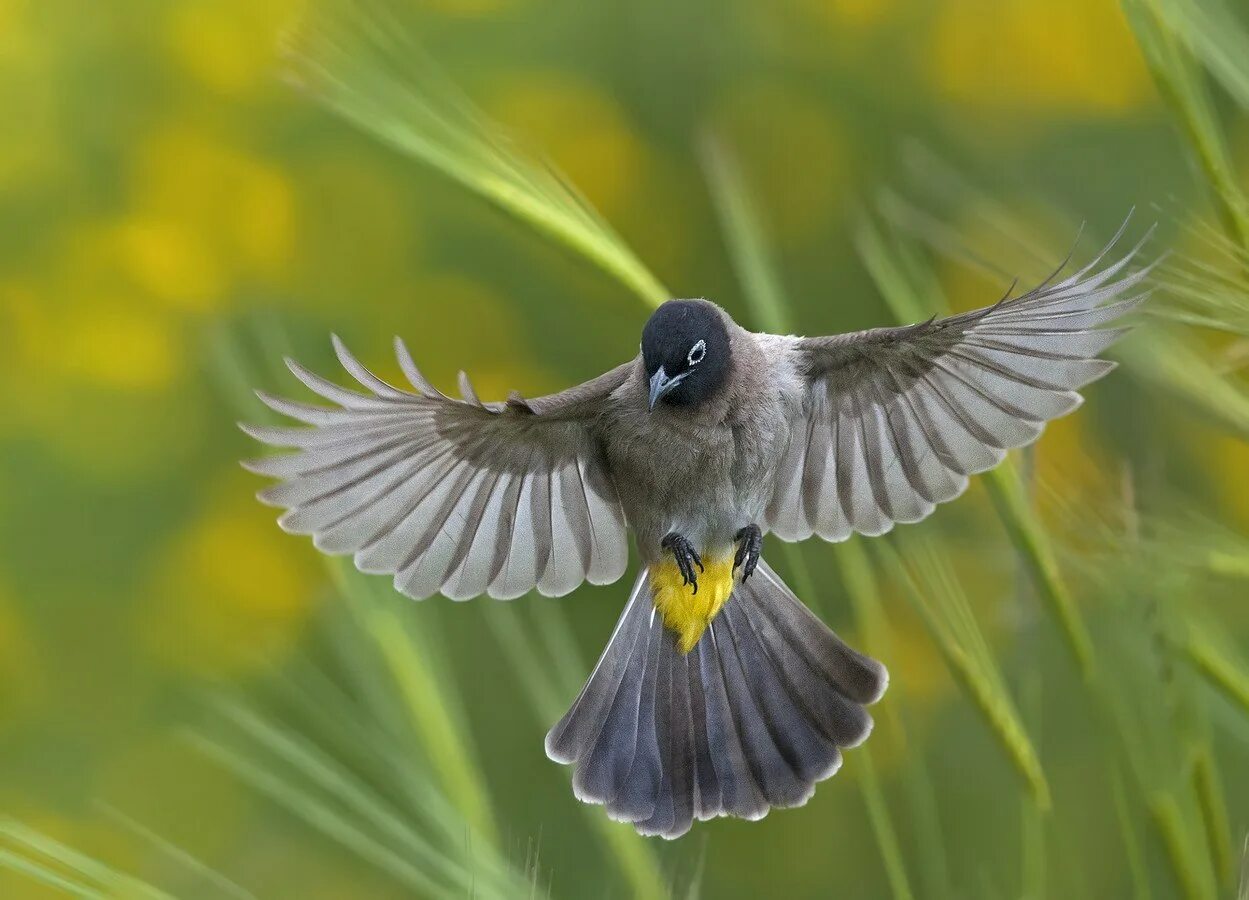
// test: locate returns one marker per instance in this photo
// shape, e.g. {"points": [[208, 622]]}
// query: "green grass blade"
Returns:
{"points": [[1191, 876], [425, 693], [1032, 818], [33, 847], [912, 296], [1208, 789], [360, 803], [883, 829], [1183, 369], [744, 238], [321, 816], [1132, 850], [939, 601], [361, 59], [1181, 83], [548, 693], [179, 856], [1216, 37], [1032, 543], [1243, 892], [16, 862], [1225, 675]]}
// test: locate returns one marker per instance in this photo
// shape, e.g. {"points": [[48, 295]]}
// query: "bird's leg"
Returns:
{"points": [[749, 543], [686, 557]]}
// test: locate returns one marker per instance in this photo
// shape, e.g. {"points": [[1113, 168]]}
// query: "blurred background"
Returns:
{"points": [[194, 699]]}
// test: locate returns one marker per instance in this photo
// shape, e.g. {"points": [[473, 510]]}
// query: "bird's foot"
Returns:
{"points": [[749, 544], [686, 557]]}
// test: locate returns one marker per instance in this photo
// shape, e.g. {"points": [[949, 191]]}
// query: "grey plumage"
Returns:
{"points": [[797, 436], [750, 719]]}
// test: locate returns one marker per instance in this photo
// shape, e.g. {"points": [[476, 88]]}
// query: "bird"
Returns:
{"points": [[719, 693]]}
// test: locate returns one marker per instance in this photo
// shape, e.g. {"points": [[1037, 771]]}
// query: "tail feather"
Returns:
{"points": [[663, 810], [606, 764], [858, 678], [822, 695], [633, 799], [579, 729], [740, 795], [750, 719], [792, 754], [707, 799]]}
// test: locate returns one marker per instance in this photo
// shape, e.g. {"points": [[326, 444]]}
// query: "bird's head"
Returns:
{"points": [[685, 350]]}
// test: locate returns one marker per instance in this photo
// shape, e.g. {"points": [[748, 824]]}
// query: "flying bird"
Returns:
{"points": [[719, 692]]}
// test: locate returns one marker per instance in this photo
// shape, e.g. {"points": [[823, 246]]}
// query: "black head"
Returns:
{"points": [[685, 348]]}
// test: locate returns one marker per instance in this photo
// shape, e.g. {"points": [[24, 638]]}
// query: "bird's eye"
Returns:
{"points": [[697, 352]]}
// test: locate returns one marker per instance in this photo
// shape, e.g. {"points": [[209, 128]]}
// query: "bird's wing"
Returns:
{"points": [[450, 496], [895, 419]]}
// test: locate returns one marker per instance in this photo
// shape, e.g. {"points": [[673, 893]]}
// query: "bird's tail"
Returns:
{"points": [[752, 717]]}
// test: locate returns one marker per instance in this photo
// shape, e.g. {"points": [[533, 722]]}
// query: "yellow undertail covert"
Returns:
{"points": [[685, 612]]}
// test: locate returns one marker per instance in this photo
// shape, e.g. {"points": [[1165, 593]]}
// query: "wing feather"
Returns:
{"points": [[453, 496], [896, 419]]}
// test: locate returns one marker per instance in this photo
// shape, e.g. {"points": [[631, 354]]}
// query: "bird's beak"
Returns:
{"points": [[662, 384]]}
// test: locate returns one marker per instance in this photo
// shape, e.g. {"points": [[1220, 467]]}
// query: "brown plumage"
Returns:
{"points": [[711, 436]]}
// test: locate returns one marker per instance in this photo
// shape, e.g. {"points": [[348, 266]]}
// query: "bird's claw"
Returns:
{"points": [[749, 544], [686, 557]]}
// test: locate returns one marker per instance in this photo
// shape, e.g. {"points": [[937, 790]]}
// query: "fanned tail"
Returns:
{"points": [[751, 718]]}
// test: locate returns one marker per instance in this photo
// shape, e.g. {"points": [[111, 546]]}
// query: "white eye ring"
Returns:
{"points": [[697, 352]]}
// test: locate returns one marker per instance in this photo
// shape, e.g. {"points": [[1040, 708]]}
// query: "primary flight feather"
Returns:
{"points": [[719, 693]]}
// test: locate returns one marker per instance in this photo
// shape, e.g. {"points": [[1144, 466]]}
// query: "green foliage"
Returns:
{"points": [[369, 738], [32, 853], [361, 59]]}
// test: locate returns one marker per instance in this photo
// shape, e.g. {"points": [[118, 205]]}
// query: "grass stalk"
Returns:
{"points": [[1170, 824], [1006, 490], [362, 59], [905, 292], [322, 817], [548, 693], [40, 857], [1181, 82], [1132, 848], [1207, 787], [943, 608], [312, 776], [424, 693], [1218, 670], [883, 828], [1242, 893], [179, 856], [39, 872]]}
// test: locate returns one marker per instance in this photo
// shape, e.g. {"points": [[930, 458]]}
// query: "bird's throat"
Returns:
{"points": [[685, 612]]}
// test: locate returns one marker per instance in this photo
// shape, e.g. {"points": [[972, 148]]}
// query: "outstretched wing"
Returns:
{"points": [[457, 497], [896, 418]]}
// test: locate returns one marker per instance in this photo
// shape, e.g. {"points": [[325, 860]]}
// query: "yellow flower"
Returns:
{"points": [[223, 197], [170, 262], [118, 347], [229, 45], [231, 591], [1017, 56]]}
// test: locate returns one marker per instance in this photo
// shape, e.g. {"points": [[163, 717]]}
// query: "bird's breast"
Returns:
{"points": [[704, 483]]}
